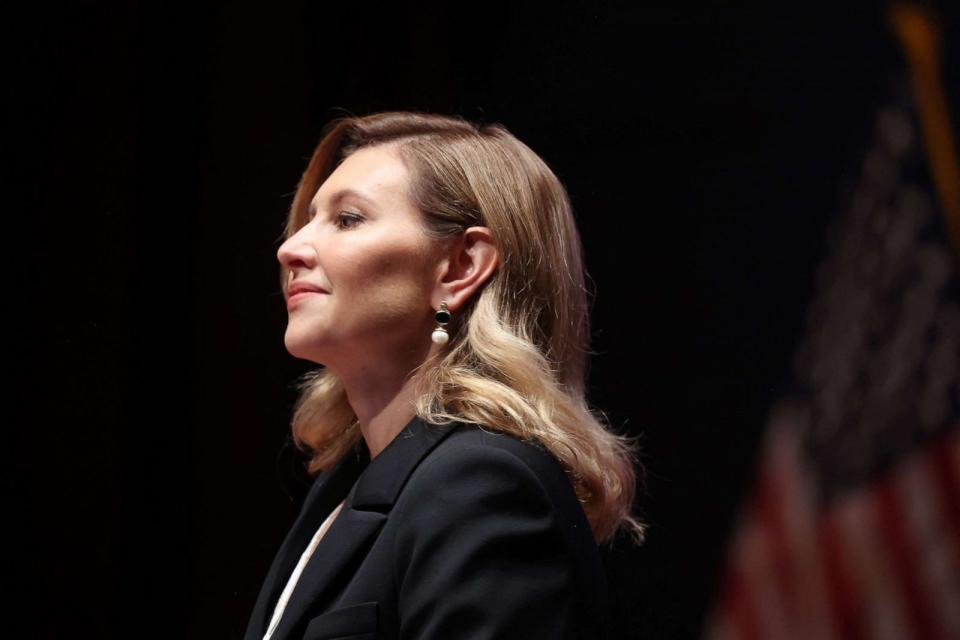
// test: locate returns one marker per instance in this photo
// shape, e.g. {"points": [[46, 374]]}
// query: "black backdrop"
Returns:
{"points": [[704, 147]]}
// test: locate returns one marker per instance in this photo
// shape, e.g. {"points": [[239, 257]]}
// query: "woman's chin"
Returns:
{"points": [[302, 349]]}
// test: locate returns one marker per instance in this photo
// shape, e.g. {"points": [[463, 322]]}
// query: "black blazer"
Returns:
{"points": [[451, 532]]}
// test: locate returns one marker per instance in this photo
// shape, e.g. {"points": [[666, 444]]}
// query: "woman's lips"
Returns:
{"points": [[300, 290], [299, 297]]}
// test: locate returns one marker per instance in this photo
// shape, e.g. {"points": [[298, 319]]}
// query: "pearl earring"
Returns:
{"points": [[442, 316]]}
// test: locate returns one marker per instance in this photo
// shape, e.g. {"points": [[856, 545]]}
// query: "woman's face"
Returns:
{"points": [[365, 247]]}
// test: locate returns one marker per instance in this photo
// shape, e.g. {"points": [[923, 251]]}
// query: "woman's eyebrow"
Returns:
{"points": [[340, 195]]}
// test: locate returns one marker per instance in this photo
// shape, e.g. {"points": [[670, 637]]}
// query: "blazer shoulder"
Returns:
{"points": [[475, 444], [472, 440], [473, 437], [506, 503]]}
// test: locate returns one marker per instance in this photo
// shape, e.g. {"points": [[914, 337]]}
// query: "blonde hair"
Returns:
{"points": [[517, 357]]}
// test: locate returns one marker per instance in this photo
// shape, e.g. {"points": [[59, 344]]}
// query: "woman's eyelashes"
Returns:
{"points": [[347, 220]]}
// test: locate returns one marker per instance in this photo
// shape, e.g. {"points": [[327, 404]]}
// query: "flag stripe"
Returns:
{"points": [[811, 610], [779, 563], [883, 610], [945, 466], [843, 592], [901, 551], [736, 601], [934, 541], [753, 556]]}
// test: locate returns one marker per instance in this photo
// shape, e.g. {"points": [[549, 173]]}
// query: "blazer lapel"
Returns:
{"points": [[327, 491], [356, 527]]}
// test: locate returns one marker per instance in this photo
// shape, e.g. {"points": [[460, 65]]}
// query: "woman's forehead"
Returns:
{"points": [[374, 175]]}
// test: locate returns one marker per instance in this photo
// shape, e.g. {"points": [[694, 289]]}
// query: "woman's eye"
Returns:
{"points": [[345, 220]]}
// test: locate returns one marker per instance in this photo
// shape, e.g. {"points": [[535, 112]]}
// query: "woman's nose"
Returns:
{"points": [[297, 251]]}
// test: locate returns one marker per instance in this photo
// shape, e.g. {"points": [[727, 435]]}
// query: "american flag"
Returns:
{"points": [[880, 561], [852, 529]]}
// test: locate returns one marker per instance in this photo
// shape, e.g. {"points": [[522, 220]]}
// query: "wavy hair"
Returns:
{"points": [[518, 352]]}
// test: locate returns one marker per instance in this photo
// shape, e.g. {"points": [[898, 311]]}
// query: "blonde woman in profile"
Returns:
{"points": [[433, 268]]}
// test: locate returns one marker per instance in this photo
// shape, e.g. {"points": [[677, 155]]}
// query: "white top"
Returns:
{"points": [[292, 582]]}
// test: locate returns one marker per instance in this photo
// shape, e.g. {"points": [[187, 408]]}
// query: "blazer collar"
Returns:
{"points": [[376, 485], [382, 481]]}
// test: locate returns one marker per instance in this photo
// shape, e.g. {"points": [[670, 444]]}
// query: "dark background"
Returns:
{"points": [[705, 147]]}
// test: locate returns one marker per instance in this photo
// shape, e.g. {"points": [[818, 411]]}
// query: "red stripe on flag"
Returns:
{"points": [[753, 559], [796, 487], [883, 612], [843, 593], [935, 543], [901, 549], [770, 519], [735, 601], [944, 457]]}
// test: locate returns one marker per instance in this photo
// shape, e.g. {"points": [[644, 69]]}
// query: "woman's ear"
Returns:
{"points": [[470, 261]]}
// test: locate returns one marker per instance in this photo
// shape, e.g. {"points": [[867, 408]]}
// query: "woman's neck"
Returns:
{"points": [[382, 419], [382, 397]]}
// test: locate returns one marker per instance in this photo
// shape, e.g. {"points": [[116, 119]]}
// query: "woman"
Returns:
{"points": [[433, 268]]}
